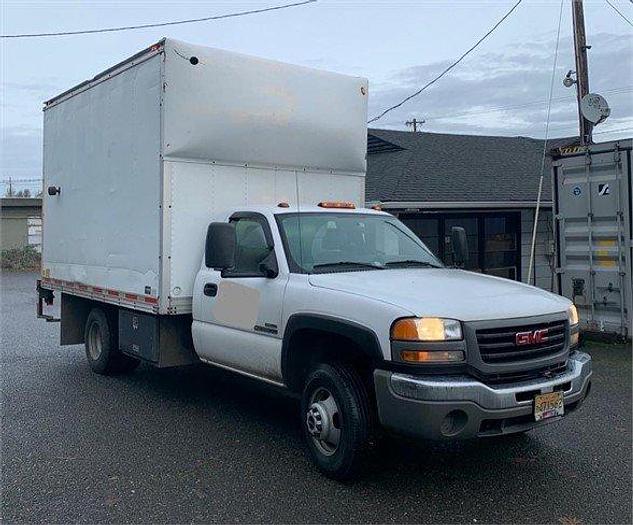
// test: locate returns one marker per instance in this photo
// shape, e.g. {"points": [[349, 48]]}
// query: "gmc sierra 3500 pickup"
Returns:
{"points": [[350, 309]]}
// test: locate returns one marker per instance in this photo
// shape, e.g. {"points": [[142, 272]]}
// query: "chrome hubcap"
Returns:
{"points": [[94, 341], [323, 421]]}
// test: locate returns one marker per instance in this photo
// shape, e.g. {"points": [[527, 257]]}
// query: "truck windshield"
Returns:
{"points": [[345, 242]]}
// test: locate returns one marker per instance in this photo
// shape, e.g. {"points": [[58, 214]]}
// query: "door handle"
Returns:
{"points": [[210, 289]]}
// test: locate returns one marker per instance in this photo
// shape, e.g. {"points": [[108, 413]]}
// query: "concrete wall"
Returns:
{"points": [[543, 257], [13, 233], [14, 220]]}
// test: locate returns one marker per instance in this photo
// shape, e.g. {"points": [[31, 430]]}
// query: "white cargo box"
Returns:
{"points": [[147, 152]]}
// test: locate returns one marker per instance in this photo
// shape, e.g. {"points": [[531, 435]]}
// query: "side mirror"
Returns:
{"points": [[219, 250], [460, 246]]}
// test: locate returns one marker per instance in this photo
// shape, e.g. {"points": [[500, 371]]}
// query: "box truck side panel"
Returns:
{"points": [[230, 107], [102, 149], [198, 191]]}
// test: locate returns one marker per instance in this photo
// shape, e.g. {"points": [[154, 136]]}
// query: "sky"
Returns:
{"points": [[501, 88]]}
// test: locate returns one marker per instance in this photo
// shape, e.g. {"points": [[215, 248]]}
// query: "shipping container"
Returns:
{"points": [[138, 159], [593, 225]]}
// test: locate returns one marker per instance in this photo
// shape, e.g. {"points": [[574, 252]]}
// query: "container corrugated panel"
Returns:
{"points": [[593, 224]]}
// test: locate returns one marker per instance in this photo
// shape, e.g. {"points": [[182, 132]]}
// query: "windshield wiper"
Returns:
{"points": [[412, 262], [373, 266]]}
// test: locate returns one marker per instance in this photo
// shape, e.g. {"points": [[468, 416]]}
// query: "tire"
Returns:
{"points": [[336, 419], [102, 345]]}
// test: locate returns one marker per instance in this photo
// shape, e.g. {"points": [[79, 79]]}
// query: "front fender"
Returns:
{"points": [[365, 338]]}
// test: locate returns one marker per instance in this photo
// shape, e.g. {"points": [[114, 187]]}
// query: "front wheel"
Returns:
{"points": [[336, 419]]}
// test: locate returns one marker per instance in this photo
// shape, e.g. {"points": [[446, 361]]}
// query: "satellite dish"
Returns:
{"points": [[594, 108]]}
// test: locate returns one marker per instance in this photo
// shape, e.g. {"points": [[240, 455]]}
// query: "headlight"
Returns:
{"points": [[573, 315], [574, 334], [426, 329]]}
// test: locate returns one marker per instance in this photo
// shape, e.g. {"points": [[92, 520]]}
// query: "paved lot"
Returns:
{"points": [[202, 445]]}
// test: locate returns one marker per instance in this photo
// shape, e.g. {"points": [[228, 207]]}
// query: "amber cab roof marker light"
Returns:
{"points": [[337, 204]]}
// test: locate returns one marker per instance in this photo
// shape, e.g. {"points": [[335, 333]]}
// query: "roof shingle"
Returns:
{"points": [[438, 167]]}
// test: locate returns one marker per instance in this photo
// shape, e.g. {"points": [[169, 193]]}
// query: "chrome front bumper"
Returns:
{"points": [[461, 406]]}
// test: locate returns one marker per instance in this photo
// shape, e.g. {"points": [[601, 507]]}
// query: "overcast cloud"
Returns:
{"points": [[379, 40], [511, 76]]}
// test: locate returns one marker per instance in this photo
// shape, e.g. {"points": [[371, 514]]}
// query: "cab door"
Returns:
{"points": [[237, 312]]}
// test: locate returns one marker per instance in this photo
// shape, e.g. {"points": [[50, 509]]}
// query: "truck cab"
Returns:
{"points": [[347, 308]]}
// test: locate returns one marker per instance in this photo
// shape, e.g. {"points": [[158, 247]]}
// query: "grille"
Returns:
{"points": [[498, 345]]}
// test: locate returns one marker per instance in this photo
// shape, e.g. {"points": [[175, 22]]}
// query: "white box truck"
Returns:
{"points": [[205, 206]]}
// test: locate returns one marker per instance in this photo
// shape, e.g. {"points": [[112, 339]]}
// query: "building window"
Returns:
{"points": [[500, 246], [493, 238], [426, 229], [34, 232], [471, 225]]}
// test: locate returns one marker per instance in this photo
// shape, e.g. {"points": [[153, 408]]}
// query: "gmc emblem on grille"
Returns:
{"points": [[531, 338]]}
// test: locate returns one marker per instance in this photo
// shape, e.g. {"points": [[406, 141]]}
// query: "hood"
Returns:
{"points": [[442, 292]]}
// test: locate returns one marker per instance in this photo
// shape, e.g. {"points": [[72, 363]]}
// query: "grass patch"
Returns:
{"points": [[20, 259]]}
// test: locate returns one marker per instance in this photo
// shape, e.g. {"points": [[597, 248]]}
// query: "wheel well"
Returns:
{"points": [[74, 314], [308, 346]]}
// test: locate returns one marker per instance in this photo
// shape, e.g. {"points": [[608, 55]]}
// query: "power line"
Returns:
{"points": [[161, 24], [621, 14], [430, 83]]}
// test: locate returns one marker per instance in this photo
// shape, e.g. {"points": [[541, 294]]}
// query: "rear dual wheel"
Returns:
{"points": [[102, 345]]}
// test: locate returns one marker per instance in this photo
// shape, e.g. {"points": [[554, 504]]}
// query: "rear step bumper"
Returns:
{"points": [[458, 407], [45, 295]]}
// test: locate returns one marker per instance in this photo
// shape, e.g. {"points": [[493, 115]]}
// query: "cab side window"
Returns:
{"points": [[252, 247]]}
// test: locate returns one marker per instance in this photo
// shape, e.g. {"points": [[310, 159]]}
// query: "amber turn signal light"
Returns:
{"points": [[422, 356]]}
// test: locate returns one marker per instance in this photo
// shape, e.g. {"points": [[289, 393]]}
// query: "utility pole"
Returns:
{"points": [[582, 71], [415, 123]]}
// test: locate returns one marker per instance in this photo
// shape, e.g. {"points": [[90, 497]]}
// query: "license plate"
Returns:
{"points": [[548, 405]]}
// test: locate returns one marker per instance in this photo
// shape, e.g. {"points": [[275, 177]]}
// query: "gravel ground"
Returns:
{"points": [[198, 444]]}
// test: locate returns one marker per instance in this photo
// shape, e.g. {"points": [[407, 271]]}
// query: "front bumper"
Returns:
{"points": [[457, 407]]}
